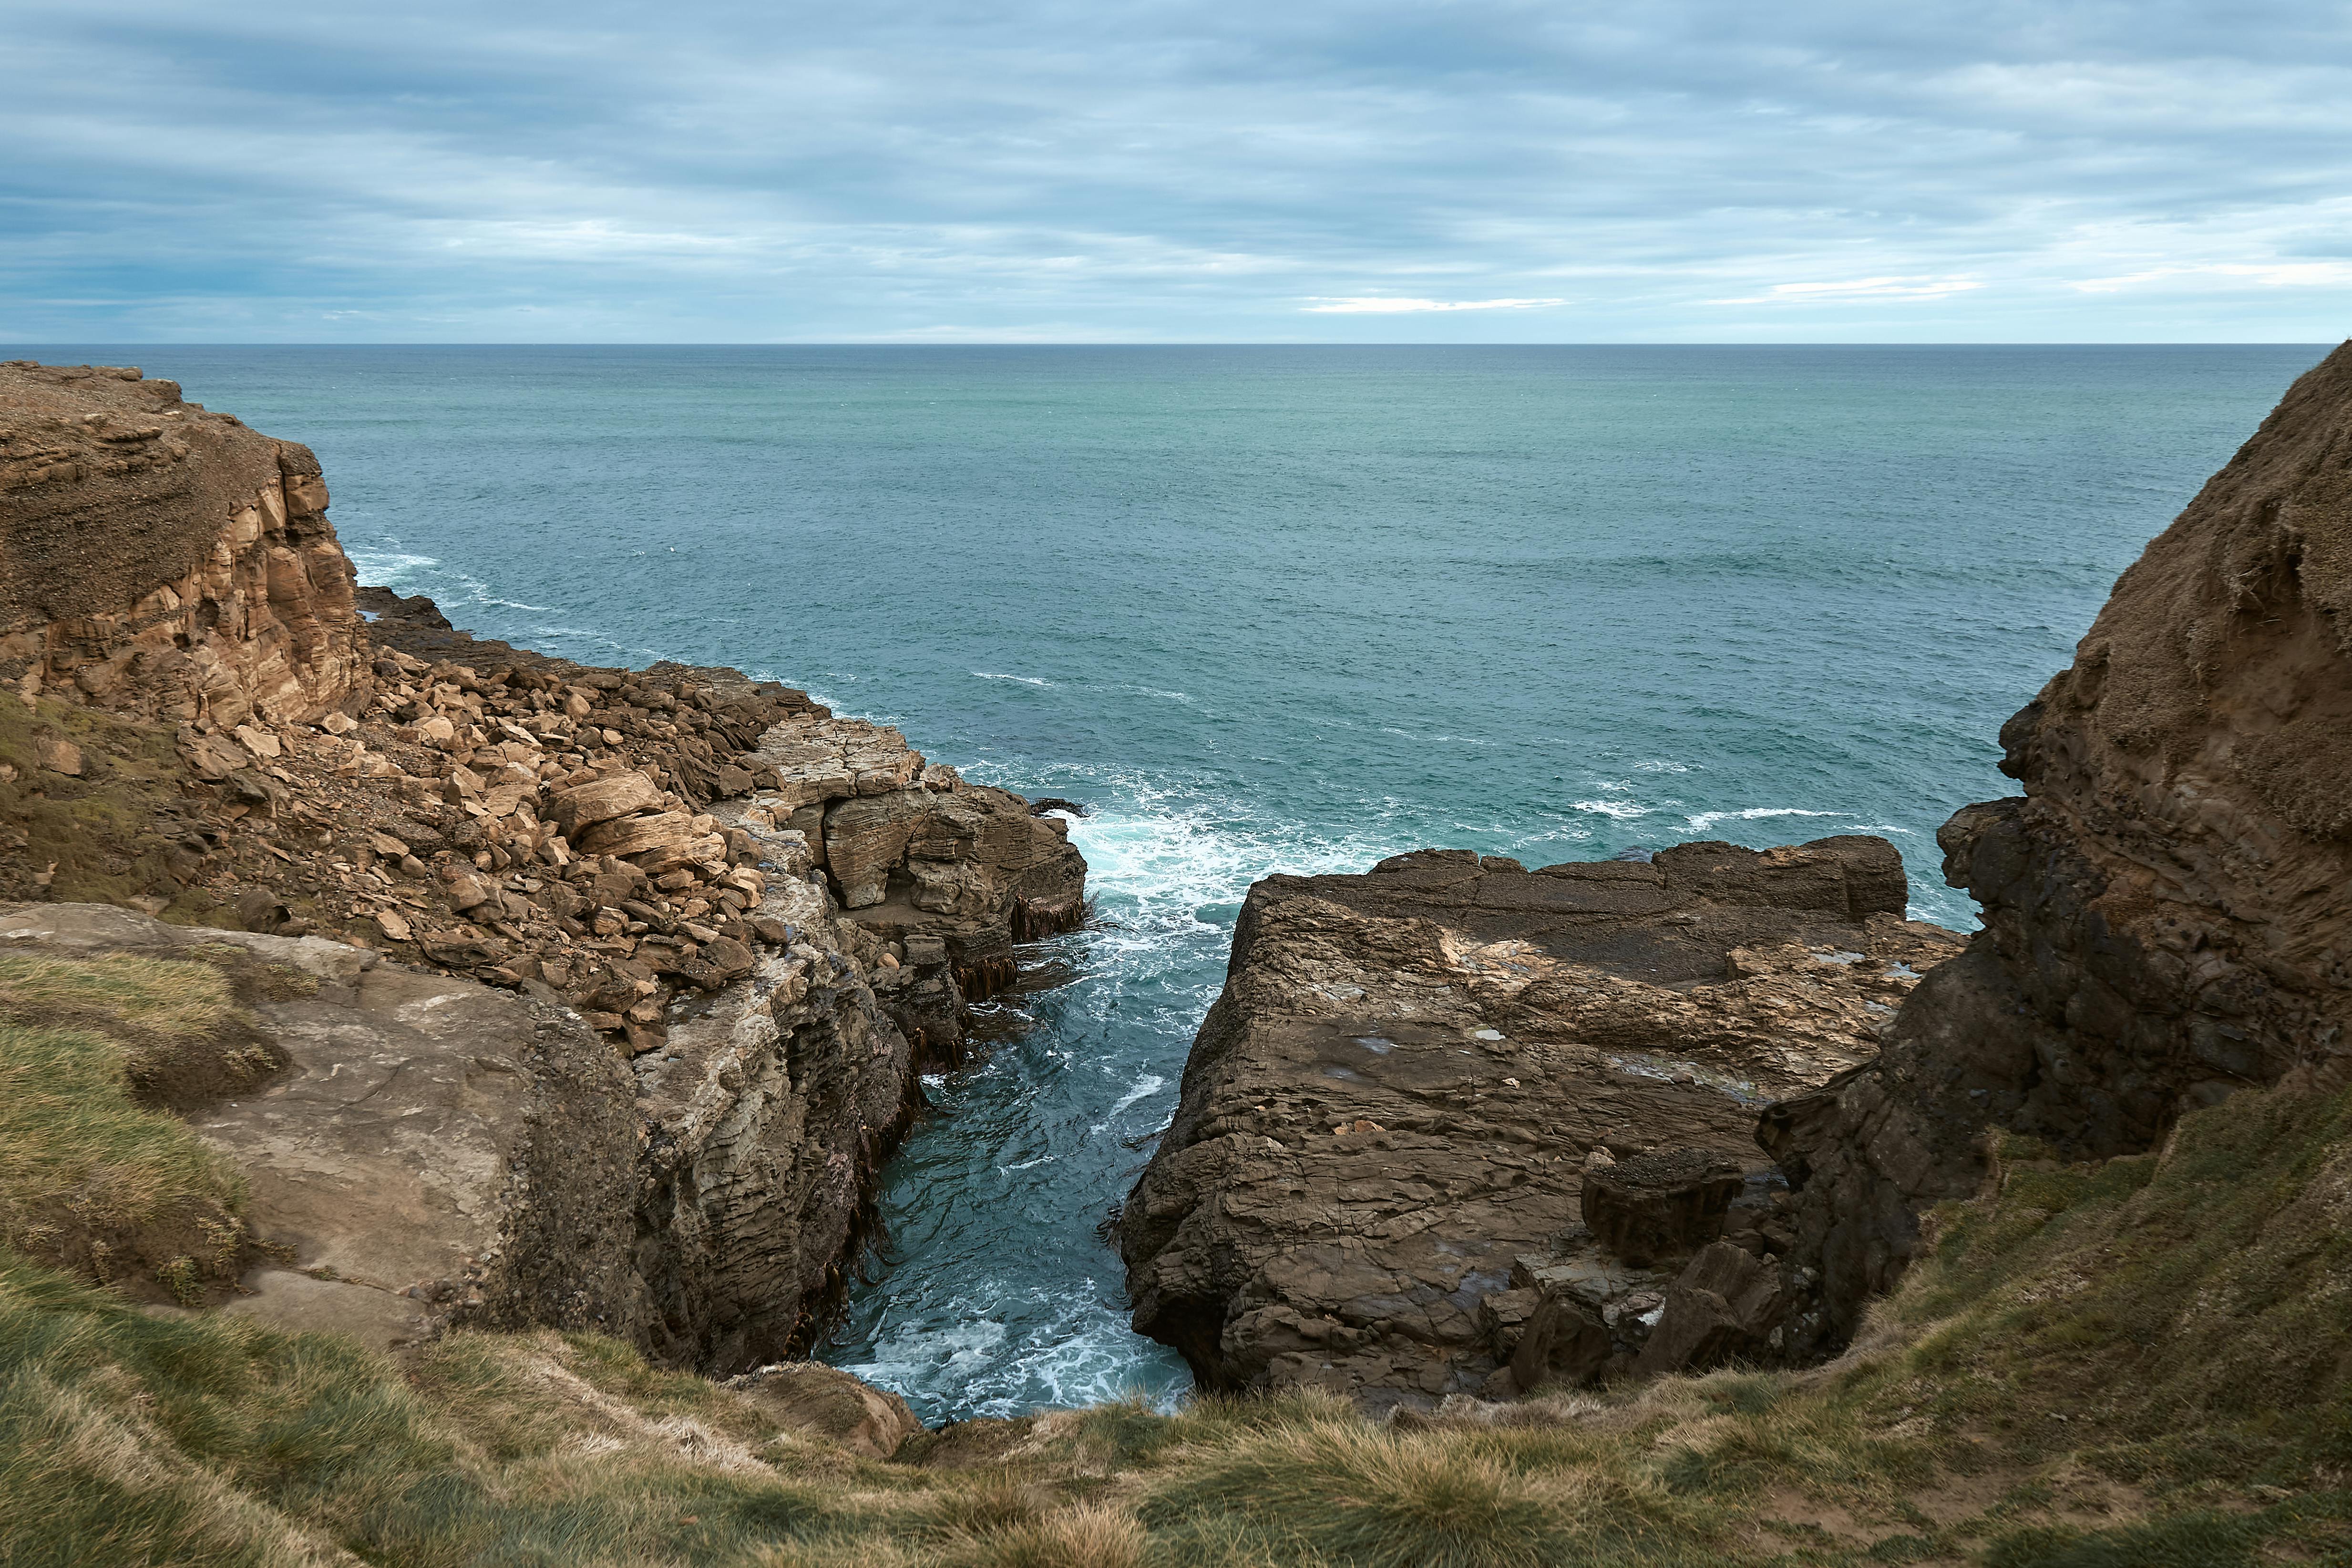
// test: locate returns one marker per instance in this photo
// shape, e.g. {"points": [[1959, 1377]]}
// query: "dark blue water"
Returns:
{"points": [[1274, 607]]}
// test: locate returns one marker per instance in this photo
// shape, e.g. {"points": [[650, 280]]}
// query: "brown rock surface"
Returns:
{"points": [[161, 559], [810, 1396], [2168, 909], [430, 1151], [1372, 1180], [246, 750]]}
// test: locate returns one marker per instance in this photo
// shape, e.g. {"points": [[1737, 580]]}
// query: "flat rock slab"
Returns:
{"points": [[1393, 1105], [402, 1159]]}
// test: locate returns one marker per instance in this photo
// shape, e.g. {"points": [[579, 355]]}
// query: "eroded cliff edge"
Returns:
{"points": [[2167, 908], [710, 932]]}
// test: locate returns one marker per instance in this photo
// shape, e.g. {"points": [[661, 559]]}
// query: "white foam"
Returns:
{"points": [[1701, 821], [389, 567], [1150, 1083], [1621, 810], [1024, 680]]}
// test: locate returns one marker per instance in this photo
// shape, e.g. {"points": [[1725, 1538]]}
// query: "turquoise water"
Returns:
{"points": [[1273, 609]]}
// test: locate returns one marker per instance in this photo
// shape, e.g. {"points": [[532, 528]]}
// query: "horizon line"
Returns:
{"points": [[8, 343]]}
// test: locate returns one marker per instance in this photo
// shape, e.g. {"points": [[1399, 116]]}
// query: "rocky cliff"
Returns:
{"points": [[2167, 908], [1458, 1127], [748, 923], [164, 559]]}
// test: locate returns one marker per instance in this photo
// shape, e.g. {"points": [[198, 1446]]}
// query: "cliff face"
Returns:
{"points": [[2168, 909], [158, 559], [207, 730], [1455, 1126]]}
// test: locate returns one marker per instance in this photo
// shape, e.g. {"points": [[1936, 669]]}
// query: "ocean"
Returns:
{"points": [[1271, 609]]}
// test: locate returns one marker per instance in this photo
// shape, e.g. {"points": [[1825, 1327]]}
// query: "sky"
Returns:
{"points": [[1086, 171]]}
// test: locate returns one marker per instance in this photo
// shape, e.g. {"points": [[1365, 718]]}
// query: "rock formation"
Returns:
{"points": [[2167, 908], [160, 558], [1437, 1104], [418, 1150], [209, 728]]}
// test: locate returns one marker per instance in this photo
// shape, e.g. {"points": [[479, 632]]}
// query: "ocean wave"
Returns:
{"points": [[389, 568], [1700, 822], [1622, 810], [1150, 1083], [1024, 680], [1085, 1354]]}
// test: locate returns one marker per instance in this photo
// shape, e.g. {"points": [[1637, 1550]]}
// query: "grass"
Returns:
{"points": [[2139, 1363], [95, 1176]]}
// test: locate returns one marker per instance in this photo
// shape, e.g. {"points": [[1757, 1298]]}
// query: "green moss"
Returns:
{"points": [[107, 834]]}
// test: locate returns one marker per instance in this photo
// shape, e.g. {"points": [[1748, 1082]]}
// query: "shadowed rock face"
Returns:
{"points": [[1390, 1111], [2168, 909]]}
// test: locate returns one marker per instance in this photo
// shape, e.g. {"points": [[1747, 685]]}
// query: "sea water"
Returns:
{"points": [[1271, 609]]}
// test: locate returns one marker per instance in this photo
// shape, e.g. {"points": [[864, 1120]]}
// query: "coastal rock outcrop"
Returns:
{"points": [[213, 728], [416, 1150], [2167, 908], [1375, 1180], [159, 559]]}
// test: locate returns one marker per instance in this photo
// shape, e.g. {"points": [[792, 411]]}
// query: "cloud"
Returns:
{"points": [[1859, 288], [1157, 170], [2330, 275], [1381, 305]]}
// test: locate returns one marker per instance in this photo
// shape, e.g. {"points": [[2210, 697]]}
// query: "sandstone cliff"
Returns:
{"points": [[2167, 908], [161, 559], [209, 730], [1456, 1126]]}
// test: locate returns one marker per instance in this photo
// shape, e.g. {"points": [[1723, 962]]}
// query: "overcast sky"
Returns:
{"points": [[1094, 169]]}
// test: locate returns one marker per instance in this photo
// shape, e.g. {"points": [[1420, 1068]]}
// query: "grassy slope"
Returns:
{"points": [[94, 1176], [2143, 1363]]}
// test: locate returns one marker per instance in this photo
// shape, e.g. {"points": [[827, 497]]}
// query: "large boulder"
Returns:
{"points": [[1387, 1120]]}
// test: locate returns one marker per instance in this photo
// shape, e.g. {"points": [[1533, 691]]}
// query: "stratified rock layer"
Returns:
{"points": [[426, 1150], [1372, 1181], [159, 559], [2168, 909]]}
